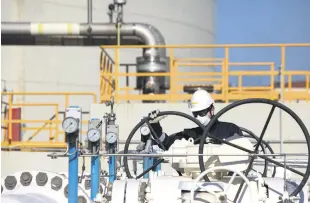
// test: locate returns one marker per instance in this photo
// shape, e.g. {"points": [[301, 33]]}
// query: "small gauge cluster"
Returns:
{"points": [[95, 131], [96, 126]]}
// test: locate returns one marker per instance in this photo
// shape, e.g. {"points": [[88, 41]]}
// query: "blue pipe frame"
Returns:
{"points": [[95, 176], [112, 169], [73, 173]]}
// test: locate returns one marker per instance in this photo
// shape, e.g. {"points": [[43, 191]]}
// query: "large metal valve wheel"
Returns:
{"points": [[274, 104], [154, 135], [265, 149]]}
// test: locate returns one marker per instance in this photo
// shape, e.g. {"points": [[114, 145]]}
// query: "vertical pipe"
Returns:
{"points": [[95, 176], [282, 68], [158, 167], [117, 60], [146, 165], [90, 12], [73, 172], [112, 172]]}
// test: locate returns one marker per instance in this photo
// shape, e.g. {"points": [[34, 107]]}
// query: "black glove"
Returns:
{"points": [[154, 124]]}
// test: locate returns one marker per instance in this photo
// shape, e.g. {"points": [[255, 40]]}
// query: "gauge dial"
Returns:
{"points": [[144, 130], [93, 135], [70, 125], [111, 137]]}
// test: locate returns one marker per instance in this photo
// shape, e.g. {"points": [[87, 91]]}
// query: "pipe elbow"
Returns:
{"points": [[150, 35]]}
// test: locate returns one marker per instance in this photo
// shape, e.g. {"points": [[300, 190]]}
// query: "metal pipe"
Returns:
{"points": [[95, 176], [73, 173], [90, 12], [185, 155], [146, 165], [147, 33], [137, 142], [112, 172]]}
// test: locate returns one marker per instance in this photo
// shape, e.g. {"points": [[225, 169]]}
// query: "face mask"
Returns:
{"points": [[203, 119]]}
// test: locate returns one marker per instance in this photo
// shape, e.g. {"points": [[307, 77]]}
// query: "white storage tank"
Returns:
{"points": [[76, 68], [179, 21]]}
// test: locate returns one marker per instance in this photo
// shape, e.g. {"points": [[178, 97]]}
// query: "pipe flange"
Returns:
{"points": [[56, 183], [66, 192], [10, 182], [41, 179], [109, 191], [103, 180], [87, 184], [142, 189], [101, 189], [25, 178], [82, 199]]}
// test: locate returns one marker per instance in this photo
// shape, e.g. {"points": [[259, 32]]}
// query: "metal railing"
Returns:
{"points": [[110, 75], [110, 80], [52, 125]]}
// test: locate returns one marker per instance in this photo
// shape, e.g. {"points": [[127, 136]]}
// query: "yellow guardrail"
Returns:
{"points": [[52, 125], [291, 93], [110, 75]]}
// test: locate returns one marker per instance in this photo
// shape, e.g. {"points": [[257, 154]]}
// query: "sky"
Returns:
{"points": [[264, 21]]}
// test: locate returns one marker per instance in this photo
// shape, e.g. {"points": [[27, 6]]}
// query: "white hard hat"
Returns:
{"points": [[201, 100]]}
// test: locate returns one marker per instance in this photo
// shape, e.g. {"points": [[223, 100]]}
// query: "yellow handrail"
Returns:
{"points": [[191, 46], [219, 80], [53, 123]]}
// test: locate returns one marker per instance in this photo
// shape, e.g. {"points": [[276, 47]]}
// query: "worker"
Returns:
{"points": [[202, 108]]}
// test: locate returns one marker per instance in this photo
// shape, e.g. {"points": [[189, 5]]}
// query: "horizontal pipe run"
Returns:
{"points": [[40, 40], [185, 155], [204, 46], [147, 33]]}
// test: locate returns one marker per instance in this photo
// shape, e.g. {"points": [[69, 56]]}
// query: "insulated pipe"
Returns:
{"points": [[147, 33], [90, 12]]}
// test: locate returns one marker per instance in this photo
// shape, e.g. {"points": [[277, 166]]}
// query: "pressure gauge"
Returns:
{"points": [[111, 137], [70, 125], [144, 130], [93, 135]]}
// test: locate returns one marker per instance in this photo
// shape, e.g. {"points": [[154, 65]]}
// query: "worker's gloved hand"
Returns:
{"points": [[154, 118], [145, 148], [154, 121], [140, 146], [152, 115]]}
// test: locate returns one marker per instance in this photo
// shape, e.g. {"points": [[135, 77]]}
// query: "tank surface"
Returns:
{"points": [[76, 69]]}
